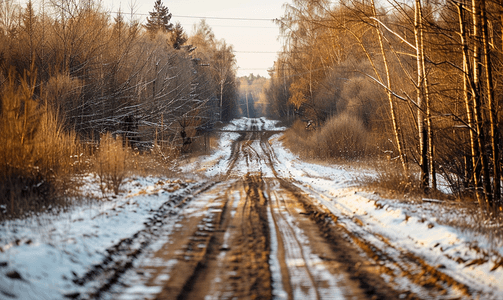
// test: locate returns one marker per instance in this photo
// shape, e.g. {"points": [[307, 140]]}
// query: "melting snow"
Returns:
{"points": [[407, 226], [40, 255], [48, 251]]}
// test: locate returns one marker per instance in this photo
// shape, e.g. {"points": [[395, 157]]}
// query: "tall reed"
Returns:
{"points": [[35, 150], [112, 163]]}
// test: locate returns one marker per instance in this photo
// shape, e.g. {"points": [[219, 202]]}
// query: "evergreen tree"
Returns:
{"points": [[159, 19], [178, 36], [28, 36]]}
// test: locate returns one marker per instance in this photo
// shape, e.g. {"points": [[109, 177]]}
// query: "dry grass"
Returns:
{"points": [[390, 180], [461, 213], [158, 161], [36, 153], [112, 163], [467, 216], [341, 137], [40, 160]]}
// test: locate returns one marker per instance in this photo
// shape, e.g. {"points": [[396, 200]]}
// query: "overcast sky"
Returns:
{"points": [[245, 35]]}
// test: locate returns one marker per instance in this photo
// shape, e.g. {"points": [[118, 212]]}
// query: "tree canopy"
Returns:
{"points": [[159, 19], [178, 36]]}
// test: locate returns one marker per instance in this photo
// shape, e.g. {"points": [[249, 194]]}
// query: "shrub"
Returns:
{"points": [[112, 163], [389, 177], [35, 150], [342, 137]]}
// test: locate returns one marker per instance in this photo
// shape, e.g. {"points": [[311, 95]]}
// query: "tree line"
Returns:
{"points": [[83, 91], [251, 96], [422, 77], [106, 72]]}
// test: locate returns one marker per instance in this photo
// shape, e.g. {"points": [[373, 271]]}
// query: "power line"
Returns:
{"points": [[224, 18], [202, 17], [215, 18], [229, 26], [232, 26], [261, 52]]}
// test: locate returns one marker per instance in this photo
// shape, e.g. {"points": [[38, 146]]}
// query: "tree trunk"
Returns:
{"points": [[493, 130], [422, 106], [467, 87], [396, 128], [247, 108], [477, 104], [429, 123], [221, 98]]}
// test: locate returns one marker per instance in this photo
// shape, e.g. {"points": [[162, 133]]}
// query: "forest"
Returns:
{"points": [[73, 74], [252, 101], [417, 83], [135, 163]]}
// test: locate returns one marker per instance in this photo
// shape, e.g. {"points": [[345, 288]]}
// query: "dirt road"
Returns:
{"points": [[253, 234]]}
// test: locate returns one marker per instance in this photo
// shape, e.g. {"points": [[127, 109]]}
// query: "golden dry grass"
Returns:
{"points": [[36, 153], [341, 137], [112, 163]]}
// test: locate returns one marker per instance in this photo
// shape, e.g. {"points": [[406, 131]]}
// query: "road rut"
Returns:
{"points": [[257, 235]]}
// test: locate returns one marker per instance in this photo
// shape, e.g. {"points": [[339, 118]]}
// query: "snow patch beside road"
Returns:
{"points": [[412, 227], [41, 255]]}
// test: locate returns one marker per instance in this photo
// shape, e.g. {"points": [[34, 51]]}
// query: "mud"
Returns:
{"points": [[256, 235], [236, 265]]}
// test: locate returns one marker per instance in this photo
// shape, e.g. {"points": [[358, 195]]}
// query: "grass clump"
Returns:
{"points": [[390, 179], [112, 163], [341, 137], [114, 160], [36, 153]]}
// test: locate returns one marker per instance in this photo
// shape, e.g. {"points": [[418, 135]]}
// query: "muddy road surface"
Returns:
{"points": [[252, 233]]}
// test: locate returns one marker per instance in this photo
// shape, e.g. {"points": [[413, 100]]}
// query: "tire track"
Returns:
{"points": [[402, 268], [292, 252], [236, 265], [395, 263], [269, 239], [120, 257]]}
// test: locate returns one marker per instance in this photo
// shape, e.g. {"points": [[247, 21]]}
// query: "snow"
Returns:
{"points": [[262, 123], [217, 163], [274, 265], [41, 254], [49, 250], [408, 226], [298, 256]]}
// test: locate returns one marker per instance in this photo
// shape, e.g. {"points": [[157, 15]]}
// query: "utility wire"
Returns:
{"points": [[224, 18], [260, 52], [229, 26], [202, 17], [232, 26]]}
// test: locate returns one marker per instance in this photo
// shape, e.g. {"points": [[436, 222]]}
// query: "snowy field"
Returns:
{"points": [[42, 256]]}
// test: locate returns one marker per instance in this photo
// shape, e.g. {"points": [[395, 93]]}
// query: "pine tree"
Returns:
{"points": [[159, 19], [28, 25], [178, 36]]}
